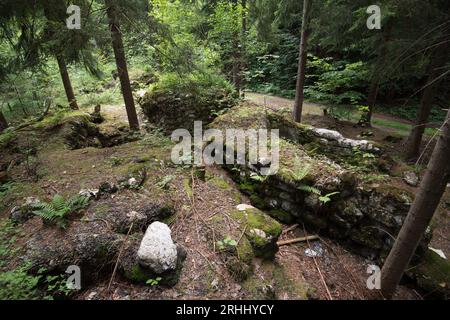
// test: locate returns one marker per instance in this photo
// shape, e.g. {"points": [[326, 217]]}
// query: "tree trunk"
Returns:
{"points": [[427, 199], [236, 53], [66, 82], [414, 141], [3, 122], [121, 63], [244, 65], [298, 105]]}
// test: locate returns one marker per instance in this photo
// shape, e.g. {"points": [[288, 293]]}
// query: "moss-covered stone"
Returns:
{"points": [[282, 216], [432, 274], [261, 230]]}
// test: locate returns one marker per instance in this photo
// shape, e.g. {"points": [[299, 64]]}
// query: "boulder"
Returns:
{"points": [[157, 250]]}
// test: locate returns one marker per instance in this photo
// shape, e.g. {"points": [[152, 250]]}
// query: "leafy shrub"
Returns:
{"points": [[342, 83], [21, 284], [18, 284], [56, 211]]}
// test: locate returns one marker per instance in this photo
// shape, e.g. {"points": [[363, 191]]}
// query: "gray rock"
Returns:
{"points": [[411, 178], [23, 213], [157, 250], [89, 193]]}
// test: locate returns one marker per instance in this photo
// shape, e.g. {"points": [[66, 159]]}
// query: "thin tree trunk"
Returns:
{"points": [[236, 53], [298, 105], [430, 193], [121, 63], [414, 141], [3, 122], [244, 45], [66, 82]]}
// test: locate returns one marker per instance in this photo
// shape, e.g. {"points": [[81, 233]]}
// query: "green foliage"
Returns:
{"points": [[18, 284], [56, 211], [341, 83], [163, 183], [6, 189], [226, 244], [21, 284], [327, 198], [153, 282], [309, 189]]}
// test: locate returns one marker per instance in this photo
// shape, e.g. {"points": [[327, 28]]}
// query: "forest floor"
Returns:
{"points": [[336, 274]]}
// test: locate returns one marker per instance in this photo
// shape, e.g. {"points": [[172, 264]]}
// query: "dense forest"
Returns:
{"points": [[224, 149]]}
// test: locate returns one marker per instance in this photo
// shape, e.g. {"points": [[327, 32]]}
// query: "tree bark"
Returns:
{"points": [[3, 122], [66, 82], [414, 141], [299, 97], [430, 193], [121, 63], [236, 69], [244, 65]]}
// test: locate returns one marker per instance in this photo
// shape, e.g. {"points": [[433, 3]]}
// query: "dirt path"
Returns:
{"points": [[310, 108]]}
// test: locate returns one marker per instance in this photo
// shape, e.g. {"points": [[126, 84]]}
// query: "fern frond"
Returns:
{"points": [[59, 203], [309, 189]]}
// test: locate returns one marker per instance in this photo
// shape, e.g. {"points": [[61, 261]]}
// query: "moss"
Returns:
{"points": [[220, 182], [433, 275], [258, 202], [187, 186], [6, 138], [261, 230], [136, 274], [60, 117], [255, 219], [274, 284], [282, 216], [244, 251]]}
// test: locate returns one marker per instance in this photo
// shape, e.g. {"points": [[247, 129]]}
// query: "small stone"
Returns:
{"points": [[132, 182], [89, 193], [243, 207], [411, 178]]}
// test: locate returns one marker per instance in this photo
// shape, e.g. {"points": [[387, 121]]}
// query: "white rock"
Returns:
{"points": [[243, 207], [132, 182], [89, 193], [157, 250], [328, 134]]}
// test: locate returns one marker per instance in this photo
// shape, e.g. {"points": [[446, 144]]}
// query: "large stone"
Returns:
{"points": [[157, 250]]}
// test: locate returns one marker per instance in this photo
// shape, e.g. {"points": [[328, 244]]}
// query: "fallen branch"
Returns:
{"points": [[296, 240]]}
